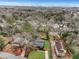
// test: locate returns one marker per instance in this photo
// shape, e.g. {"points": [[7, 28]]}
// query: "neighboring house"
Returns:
{"points": [[59, 48], [5, 55], [39, 43]]}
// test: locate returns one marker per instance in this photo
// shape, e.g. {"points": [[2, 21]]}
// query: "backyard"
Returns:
{"points": [[37, 55], [41, 54]]}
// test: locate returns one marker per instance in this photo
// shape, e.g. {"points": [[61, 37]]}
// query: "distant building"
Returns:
{"points": [[59, 48]]}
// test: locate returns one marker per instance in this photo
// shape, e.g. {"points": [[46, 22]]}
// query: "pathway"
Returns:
{"points": [[52, 47], [46, 55]]}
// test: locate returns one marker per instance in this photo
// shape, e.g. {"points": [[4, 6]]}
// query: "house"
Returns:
{"points": [[5, 55], [39, 43], [59, 48]]}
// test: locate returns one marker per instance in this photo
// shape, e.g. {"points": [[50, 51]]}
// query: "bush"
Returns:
{"points": [[65, 34], [76, 56], [3, 33], [2, 44]]}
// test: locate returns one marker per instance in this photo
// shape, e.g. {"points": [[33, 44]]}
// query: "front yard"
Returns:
{"points": [[37, 55]]}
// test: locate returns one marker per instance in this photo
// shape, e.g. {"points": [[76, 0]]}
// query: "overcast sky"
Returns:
{"points": [[66, 3]]}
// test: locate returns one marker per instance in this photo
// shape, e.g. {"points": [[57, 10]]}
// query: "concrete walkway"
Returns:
{"points": [[52, 47], [46, 55]]}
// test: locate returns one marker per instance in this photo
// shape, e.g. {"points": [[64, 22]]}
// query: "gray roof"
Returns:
{"points": [[39, 42], [10, 56]]}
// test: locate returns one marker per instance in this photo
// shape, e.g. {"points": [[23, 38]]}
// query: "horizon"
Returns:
{"points": [[43, 3]]}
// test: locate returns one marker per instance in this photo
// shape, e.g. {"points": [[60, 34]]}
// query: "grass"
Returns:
{"points": [[37, 55], [47, 47]]}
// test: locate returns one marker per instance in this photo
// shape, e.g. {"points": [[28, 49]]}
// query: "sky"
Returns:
{"points": [[48, 3]]}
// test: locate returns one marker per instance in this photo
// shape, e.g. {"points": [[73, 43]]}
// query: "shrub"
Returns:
{"points": [[3, 33], [2, 44], [76, 56], [65, 34]]}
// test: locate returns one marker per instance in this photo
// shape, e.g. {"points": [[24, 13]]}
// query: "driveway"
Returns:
{"points": [[52, 48]]}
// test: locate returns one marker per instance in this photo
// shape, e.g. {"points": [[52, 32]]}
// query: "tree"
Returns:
{"points": [[59, 17], [42, 28], [10, 19], [3, 16], [27, 27], [3, 33], [76, 56], [65, 34], [2, 44]]}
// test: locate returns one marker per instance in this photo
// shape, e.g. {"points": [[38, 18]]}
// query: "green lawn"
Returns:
{"points": [[47, 47], [37, 55], [40, 54]]}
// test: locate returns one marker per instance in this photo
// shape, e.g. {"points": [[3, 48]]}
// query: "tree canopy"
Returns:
{"points": [[76, 56], [2, 44]]}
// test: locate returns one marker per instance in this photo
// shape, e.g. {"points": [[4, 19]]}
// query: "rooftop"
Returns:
{"points": [[10, 56]]}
